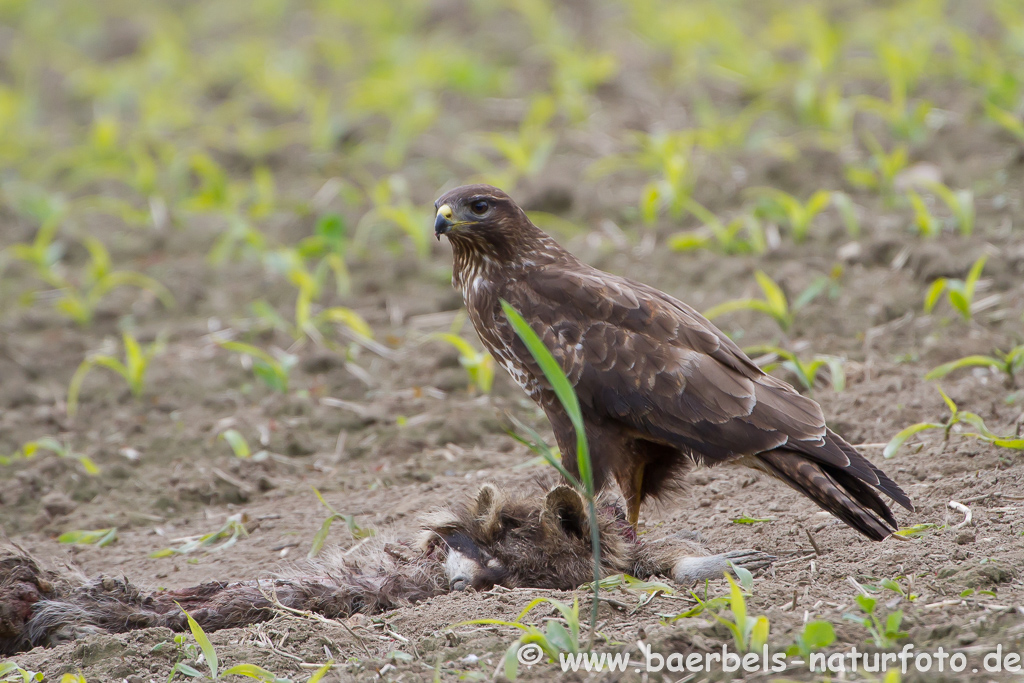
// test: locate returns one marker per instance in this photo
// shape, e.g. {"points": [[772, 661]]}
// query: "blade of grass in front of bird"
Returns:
{"points": [[567, 396]]}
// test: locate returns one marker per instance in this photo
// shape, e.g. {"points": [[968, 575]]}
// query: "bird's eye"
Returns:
{"points": [[479, 207]]}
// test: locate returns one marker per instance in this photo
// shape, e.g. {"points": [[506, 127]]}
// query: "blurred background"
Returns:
{"points": [[219, 287]]}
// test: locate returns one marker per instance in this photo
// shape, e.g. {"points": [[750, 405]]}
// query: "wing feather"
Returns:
{"points": [[655, 364]]}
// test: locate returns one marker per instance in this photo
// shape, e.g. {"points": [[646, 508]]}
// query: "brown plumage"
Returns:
{"points": [[661, 388]]}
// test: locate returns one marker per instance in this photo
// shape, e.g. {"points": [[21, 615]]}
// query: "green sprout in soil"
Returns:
{"points": [[781, 206], [918, 530], [209, 657], [97, 537], [554, 639], [741, 235], [1006, 120], [358, 532], [956, 417], [526, 151], [1009, 363], [310, 287], [960, 293], [751, 520], [960, 204], [236, 527], [773, 304], [806, 372], [273, 370], [133, 369], [391, 206], [902, 66], [749, 633], [479, 365], [848, 212], [30, 449], [239, 445], [926, 224], [884, 631], [9, 669], [881, 171], [78, 298], [815, 636]]}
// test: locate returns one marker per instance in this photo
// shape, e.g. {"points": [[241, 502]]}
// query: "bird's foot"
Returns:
{"points": [[689, 570]]}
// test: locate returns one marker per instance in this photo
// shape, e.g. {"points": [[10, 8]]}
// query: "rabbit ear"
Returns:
{"points": [[564, 510]]}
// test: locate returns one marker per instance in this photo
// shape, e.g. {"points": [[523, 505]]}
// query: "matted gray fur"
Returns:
{"points": [[493, 538]]}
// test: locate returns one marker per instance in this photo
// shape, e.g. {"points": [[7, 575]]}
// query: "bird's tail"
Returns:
{"points": [[835, 490]]}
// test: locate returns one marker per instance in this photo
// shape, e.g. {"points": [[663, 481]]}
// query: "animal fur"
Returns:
{"points": [[493, 539]]}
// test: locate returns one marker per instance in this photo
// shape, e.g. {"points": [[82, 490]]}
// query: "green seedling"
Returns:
{"points": [[670, 157], [133, 369], [894, 585], [742, 235], [751, 520], [774, 303], [310, 285], [391, 207], [884, 632], [479, 364], [956, 417], [960, 293], [272, 370], [525, 152], [209, 656], [98, 537], [234, 529], [8, 671], [749, 634], [918, 530], [567, 397], [806, 372], [320, 538], [903, 65], [627, 582], [30, 449], [815, 636], [1009, 363], [960, 203], [848, 212], [44, 252], [239, 445], [926, 224], [778, 205], [881, 171], [79, 301], [554, 639], [1006, 120]]}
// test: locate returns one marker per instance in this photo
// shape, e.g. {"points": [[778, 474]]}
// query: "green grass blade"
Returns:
{"points": [[203, 641], [238, 444], [901, 438], [965, 362]]}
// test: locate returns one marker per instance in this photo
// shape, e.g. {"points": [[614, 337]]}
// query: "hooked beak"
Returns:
{"points": [[443, 221]]}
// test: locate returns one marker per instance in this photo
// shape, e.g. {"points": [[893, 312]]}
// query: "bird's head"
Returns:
{"points": [[484, 225], [475, 212]]}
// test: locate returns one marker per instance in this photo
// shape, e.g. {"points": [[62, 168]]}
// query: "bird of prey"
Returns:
{"points": [[661, 388]]}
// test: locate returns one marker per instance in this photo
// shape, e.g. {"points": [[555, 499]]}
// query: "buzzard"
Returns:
{"points": [[660, 387]]}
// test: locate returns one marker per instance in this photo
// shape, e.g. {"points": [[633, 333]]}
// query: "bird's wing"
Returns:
{"points": [[651, 363]]}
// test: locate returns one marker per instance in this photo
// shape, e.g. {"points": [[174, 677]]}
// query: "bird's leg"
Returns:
{"points": [[631, 491]]}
